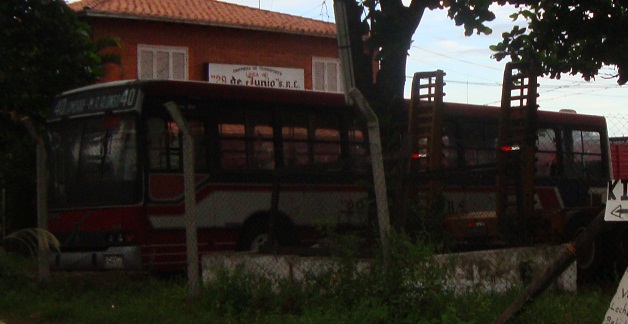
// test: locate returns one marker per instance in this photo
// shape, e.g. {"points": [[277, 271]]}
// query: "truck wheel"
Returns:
{"points": [[587, 257]]}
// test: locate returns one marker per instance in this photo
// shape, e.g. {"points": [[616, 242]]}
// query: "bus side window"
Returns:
{"points": [[263, 156], [246, 140], [260, 144], [357, 148], [164, 144], [294, 132], [479, 143], [326, 145], [450, 146], [593, 166], [587, 154], [546, 163], [197, 128], [232, 143]]}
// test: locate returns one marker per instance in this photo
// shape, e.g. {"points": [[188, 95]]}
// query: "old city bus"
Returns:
{"points": [[572, 168], [116, 182]]}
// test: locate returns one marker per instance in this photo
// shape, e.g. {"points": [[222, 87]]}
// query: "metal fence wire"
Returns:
{"points": [[460, 211], [454, 206]]}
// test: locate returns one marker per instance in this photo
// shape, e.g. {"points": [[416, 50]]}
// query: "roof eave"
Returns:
{"points": [[101, 14]]}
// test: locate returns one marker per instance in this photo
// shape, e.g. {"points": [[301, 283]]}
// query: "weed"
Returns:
{"points": [[405, 289]]}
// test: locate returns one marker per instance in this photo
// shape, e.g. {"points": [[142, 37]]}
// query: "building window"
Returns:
{"points": [[326, 75], [162, 62]]}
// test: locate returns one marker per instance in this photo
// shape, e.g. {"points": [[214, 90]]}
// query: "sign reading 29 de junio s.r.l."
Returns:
{"points": [[617, 201]]}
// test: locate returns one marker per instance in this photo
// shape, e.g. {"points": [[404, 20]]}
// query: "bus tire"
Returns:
{"points": [[587, 258], [254, 233]]}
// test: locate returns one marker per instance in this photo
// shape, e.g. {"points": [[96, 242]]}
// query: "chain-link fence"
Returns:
{"points": [[617, 125], [454, 205], [457, 206]]}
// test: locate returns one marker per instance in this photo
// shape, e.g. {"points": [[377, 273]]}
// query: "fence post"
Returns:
{"points": [[3, 210], [43, 257], [377, 163], [190, 200], [545, 278]]}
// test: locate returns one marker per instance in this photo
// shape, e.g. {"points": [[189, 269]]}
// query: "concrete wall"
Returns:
{"points": [[494, 270]]}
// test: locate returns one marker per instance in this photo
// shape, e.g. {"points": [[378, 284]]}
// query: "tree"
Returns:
{"points": [[382, 30], [45, 50], [562, 37], [575, 37], [385, 29]]}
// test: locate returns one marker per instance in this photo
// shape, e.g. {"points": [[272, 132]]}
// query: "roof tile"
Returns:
{"points": [[207, 12]]}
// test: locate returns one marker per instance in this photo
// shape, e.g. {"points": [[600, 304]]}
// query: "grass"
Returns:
{"points": [[97, 297]]}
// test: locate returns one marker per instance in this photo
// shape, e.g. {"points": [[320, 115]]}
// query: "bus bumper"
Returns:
{"points": [[114, 258]]}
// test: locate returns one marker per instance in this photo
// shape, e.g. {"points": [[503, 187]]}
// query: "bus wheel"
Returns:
{"points": [[257, 242], [254, 233], [586, 256]]}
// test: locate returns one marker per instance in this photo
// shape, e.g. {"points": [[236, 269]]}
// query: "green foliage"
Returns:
{"points": [[45, 49], [16, 266], [574, 37], [391, 25], [345, 294]]}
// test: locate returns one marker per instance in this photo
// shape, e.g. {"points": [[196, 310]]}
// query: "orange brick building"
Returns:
{"points": [[208, 40]]}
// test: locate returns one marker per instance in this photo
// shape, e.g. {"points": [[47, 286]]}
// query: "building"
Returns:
{"points": [[208, 40]]}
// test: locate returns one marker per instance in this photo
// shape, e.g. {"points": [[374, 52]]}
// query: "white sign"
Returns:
{"points": [[617, 312], [256, 76], [617, 201]]}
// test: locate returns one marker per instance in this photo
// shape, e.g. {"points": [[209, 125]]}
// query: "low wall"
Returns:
{"points": [[493, 270]]}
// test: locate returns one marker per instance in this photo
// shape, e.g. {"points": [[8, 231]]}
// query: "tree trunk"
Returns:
{"points": [[390, 105], [388, 39]]}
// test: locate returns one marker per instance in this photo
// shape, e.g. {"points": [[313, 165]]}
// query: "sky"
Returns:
{"points": [[472, 76]]}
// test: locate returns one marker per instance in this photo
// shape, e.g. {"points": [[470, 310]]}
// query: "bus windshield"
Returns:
{"points": [[93, 162]]}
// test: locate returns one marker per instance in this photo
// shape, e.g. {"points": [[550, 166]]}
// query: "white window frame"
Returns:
{"points": [[327, 61], [168, 49]]}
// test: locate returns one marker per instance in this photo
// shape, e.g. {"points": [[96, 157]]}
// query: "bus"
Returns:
{"points": [[572, 168], [116, 174]]}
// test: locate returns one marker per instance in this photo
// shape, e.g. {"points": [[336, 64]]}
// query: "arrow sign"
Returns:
{"points": [[618, 211], [617, 193]]}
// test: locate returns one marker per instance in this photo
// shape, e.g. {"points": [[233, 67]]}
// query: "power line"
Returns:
{"points": [[572, 83], [305, 14], [456, 59]]}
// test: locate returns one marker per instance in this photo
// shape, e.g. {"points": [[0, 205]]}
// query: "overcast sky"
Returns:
{"points": [[471, 75]]}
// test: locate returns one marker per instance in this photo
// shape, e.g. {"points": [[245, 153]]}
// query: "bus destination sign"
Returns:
{"points": [[96, 100]]}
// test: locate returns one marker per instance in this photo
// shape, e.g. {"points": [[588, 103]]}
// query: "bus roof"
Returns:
{"points": [[111, 94], [243, 93], [546, 117], [123, 95]]}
